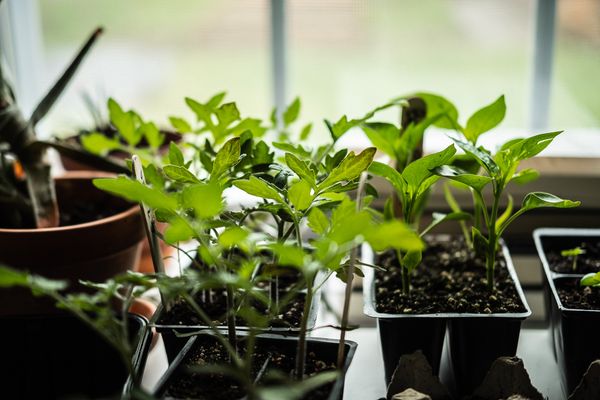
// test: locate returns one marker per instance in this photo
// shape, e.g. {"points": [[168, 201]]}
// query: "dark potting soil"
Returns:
{"points": [[82, 212], [572, 295], [217, 386], [586, 263], [181, 313], [450, 279]]}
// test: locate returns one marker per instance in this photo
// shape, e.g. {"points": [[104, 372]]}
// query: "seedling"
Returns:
{"points": [[574, 253], [592, 279]]}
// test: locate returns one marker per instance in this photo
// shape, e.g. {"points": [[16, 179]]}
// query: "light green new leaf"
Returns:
{"points": [[228, 156], [438, 105], [438, 218], [419, 170], [305, 132], [300, 196], [389, 173], [383, 136], [291, 113], [178, 230], [124, 122], [541, 199], [485, 119], [297, 150], [480, 155], [317, 221], [525, 176], [98, 143], [135, 191], [205, 198], [393, 234], [530, 147], [227, 113], [214, 101], [289, 255], [259, 188], [180, 124], [175, 155], [179, 174], [591, 279], [411, 260], [506, 214], [350, 168], [477, 182], [11, 277], [233, 236], [300, 168], [202, 111]]}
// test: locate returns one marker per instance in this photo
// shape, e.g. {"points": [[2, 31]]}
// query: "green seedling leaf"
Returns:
{"points": [[124, 122], [577, 251], [180, 125], [317, 221], [202, 111], [232, 237], [179, 174], [289, 255], [135, 191], [291, 113], [259, 188], [383, 136], [300, 196], [388, 210], [438, 105], [261, 154], [227, 113], [411, 260], [205, 198], [480, 243], [228, 156], [350, 168], [525, 176], [530, 147], [506, 214], [483, 158], [541, 199], [438, 218], [296, 150], [153, 136], [393, 234], [477, 182], [485, 119], [417, 172], [11, 277], [305, 133], [389, 173], [175, 155], [591, 279], [179, 230], [97, 143], [300, 168], [214, 101]]}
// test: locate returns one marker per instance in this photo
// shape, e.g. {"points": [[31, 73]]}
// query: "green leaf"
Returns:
{"points": [[214, 101], [525, 176], [124, 122], [153, 136], [477, 182], [591, 279], [299, 195], [393, 234], [300, 168], [530, 147], [342, 126], [259, 188], [291, 113], [483, 158], [388, 209], [135, 191], [350, 168], [506, 214], [437, 105], [11, 277], [389, 173], [232, 237], [180, 124], [227, 113], [178, 230], [541, 199], [438, 218], [179, 174], [98, 143], [577, 251], [411, 260], [317, 221], [297, 150], [480, 243], [175, 155], [205, 198], [305, 132], [289, 255], [382, 136], [485, 119], [421, 169], [228, 156], [202, 112]]}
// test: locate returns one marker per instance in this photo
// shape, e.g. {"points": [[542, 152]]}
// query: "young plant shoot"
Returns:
{"points": [[574, 253]]}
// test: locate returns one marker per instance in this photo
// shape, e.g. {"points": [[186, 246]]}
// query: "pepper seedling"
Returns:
{"points": [[574, 253], [592, 279]]}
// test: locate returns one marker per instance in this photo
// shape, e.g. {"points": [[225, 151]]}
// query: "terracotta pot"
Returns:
{"points": [[92, 251]]}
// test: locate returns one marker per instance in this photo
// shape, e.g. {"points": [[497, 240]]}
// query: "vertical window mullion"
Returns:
{"points": [[278, 55]]}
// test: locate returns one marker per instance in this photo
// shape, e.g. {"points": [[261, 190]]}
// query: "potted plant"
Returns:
{"points": [[569, 259], [78, 231]]}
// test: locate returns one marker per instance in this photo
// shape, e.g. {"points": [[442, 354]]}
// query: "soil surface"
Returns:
{"points": [[586, 263], [217, 386], [83, 212], [572, 295], [215, 306], [449, 280]]}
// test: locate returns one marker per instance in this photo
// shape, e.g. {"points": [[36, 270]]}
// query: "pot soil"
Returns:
{"points": [[448, 291], [204, 350], [57, 357], [573, 311], [93, 250]]}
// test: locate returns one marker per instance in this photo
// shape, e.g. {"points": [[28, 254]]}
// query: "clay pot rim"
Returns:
{"points": [[80, 175]]}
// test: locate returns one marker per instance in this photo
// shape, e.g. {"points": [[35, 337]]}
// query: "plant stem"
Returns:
{"points": [[231, 319], [301, 349], [492, 241]]}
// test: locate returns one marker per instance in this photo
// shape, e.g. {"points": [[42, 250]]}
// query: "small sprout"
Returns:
{"points": [[592, 279], [574, 252]]}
